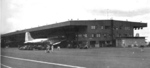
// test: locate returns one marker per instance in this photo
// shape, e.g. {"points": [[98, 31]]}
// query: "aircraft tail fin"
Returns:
{"points": [[28, 37]]}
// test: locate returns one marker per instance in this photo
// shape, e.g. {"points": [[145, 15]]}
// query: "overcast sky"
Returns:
{"points": [[23, 14]]}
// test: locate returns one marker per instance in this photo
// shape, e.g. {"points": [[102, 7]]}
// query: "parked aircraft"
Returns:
{"points": [[29, 39], [39, 43]]}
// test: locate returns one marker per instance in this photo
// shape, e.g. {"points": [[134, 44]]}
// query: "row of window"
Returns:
{"points": [[104, 35], [94, 35], [109, 27], [101, 27]]}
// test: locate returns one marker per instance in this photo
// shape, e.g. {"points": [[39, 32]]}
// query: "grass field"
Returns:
{"points": [[76, 58]]}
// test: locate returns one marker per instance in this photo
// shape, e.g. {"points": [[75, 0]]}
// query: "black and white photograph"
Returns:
{"points": [[74, 33]]}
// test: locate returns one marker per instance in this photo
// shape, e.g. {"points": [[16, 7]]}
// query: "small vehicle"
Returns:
{"points": [[83, 46], [26, 47], [40, 47], [31, 47]]}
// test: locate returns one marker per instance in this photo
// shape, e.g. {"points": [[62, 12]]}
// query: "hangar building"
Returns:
{"points": [[94, 33]]}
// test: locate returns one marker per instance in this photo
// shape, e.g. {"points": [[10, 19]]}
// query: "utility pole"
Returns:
{"points": [[107, 13]]}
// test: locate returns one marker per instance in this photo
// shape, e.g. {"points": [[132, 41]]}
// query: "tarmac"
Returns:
{"points": [[76, 58]]}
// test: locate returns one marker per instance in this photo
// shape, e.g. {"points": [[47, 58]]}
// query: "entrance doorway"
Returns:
{"points": [[92, 43], [101, 43]]}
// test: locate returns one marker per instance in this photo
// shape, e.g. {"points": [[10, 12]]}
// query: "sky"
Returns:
{"points": [[25, 14]]}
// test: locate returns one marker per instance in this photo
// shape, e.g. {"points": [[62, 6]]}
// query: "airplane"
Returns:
{"points": [[35, 43], [29, 39]]}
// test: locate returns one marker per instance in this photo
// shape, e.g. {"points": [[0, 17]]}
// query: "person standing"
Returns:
{"points": [[47, 48], [58, 47], [142, 48], [52, 48]]}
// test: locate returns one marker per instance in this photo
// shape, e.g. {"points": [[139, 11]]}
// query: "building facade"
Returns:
{"points": [[103, 33], [94, 33]]}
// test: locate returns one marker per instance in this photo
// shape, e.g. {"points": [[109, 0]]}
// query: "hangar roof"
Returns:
{"points": [[39, 28]]}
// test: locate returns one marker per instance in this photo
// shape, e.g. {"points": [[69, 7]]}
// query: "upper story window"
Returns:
{"points": [[118, 35], [105, 35], [82, 35], [116, 28], [98, 35], [107, 27], [102, 27], [79, 35], [130, 35], [127, 28], [125, 35], [120, 27], [93, 27], [85, 35], [93, 35], [109, 35]]}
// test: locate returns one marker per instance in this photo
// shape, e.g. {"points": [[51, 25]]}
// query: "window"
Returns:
{"points": [[98, 35], [85, 35], [93, 27], [120, 27], [79, 35], [116, 28], [93, 35], [130, 35], [109, 35], [118, 35], [102, 27], [105, 35], [127, 28], [126, 35], [107, 27]]}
